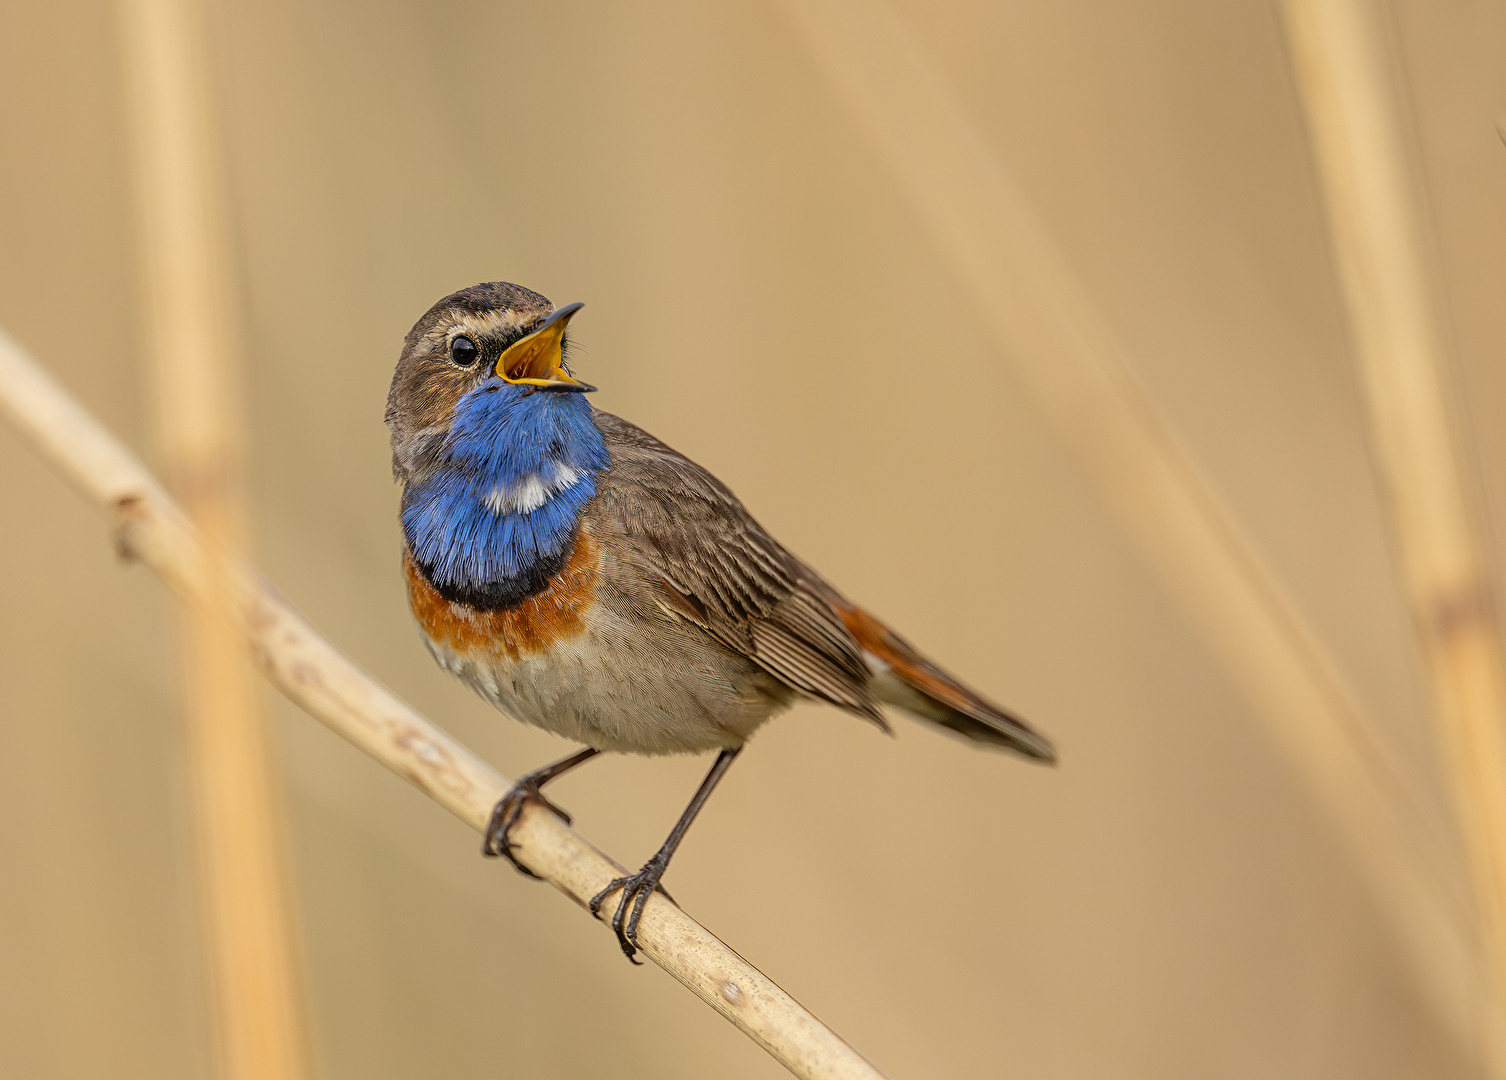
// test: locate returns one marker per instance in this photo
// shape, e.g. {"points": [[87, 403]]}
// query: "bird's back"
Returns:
{"points": [[685, 553], [588, 579]]}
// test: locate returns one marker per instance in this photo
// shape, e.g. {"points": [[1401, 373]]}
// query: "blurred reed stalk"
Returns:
{"points": [[1383, 249], [1047, 330], [242, 862], [321, 680]]}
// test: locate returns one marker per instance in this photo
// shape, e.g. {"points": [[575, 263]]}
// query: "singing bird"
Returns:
{"points": [[587, 579]]}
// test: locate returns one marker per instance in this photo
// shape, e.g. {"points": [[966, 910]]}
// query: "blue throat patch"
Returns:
{"points": [[498, 519]]}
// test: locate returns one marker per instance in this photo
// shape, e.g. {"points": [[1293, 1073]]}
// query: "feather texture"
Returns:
{"points": [[905, 678], [684, 528], [588, 579], [722, 571], [499, 519]]}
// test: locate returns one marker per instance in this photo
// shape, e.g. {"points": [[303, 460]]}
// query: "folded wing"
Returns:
{"points": [[718, 568], [721, 570]]}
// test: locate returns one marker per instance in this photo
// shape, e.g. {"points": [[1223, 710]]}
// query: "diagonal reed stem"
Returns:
{"points": [[1382, 248], [1048, 332], [329, 687]]}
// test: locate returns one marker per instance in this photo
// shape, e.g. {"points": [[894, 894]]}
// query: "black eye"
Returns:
{"points": [[464, 351]]}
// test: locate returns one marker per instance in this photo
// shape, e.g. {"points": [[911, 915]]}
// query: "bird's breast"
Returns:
{"points": [[551, 616]]}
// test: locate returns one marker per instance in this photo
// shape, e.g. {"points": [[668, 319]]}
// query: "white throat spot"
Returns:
{"points": [[533, 491]]}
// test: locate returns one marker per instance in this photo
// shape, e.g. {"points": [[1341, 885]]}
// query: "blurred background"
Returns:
{"points": [[762, 294]]}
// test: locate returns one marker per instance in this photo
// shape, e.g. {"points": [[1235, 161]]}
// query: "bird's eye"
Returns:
{"points": [[464, 351]]}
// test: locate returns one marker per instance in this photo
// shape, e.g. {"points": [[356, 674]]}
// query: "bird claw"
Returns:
{"points": [[635, 893], [505, 815]]}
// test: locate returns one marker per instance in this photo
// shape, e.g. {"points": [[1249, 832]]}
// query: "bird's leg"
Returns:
{"points": [[506, 813], [636, 887]]}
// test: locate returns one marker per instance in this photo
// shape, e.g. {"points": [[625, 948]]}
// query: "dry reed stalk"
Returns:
{"points": [[1057, 347], [332, 689], [1382, 249], [242, 862]]}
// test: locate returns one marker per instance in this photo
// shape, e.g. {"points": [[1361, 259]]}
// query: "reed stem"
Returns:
{"points": [[1383, 250], [1017, 278], [242, 862], [331, 688]]}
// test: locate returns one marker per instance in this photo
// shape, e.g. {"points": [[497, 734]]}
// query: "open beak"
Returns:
{"points": [[536, 360]]}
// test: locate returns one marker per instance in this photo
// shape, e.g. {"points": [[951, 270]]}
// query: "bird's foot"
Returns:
{"points": [[506, 813], [635, 892]]}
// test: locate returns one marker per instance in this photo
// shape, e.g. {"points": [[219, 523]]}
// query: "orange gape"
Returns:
{"points": [[555, 614]]}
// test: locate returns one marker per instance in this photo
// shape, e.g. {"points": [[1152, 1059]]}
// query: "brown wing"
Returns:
{"points": [[723, 571]]}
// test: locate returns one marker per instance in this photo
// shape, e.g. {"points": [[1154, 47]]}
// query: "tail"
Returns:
{"points": [[907, 680]]}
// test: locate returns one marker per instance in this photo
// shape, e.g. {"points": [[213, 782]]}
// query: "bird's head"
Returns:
{"points": [[484, 349], [494, 442]]}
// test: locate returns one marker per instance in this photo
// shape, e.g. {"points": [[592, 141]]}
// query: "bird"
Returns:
{"points": [[585, 578]]}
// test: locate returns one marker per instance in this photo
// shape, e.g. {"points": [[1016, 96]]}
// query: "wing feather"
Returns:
{"points": [[732, 578]]}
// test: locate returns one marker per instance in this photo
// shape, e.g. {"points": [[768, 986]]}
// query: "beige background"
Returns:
{"points": [[1167, 903]]}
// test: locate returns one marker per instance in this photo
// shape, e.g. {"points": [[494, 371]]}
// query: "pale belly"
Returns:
{"points": [[564, 662], [591, 693]]}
